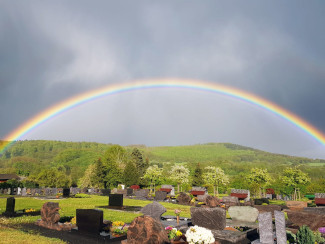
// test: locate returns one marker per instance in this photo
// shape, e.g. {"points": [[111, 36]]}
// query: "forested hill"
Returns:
{"points": [[76, 156]]}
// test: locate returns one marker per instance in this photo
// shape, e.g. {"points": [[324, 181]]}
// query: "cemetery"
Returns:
{"points": [[140, 216]]}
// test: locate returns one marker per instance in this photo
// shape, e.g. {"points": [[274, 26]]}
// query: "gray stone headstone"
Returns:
{"points": [[106, 192], [141, 193], [129, 191], [154, 210], [172, 192], [266, 228], [160, 195], [115, 200], [54, 191], [9, 191], [24, 192], [211, 218], [269, 196], [89, 220], [19, 191], [280, 227], [243, 213]]}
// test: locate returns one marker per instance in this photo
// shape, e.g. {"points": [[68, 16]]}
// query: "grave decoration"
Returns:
{"points": [[118, 229], [50, 217], [135, 187], [173, 233], [198, 234]]}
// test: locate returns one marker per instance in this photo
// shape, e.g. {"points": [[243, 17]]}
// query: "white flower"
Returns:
{"points": [[199, 235]]}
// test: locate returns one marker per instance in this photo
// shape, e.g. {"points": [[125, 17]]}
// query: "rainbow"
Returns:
{"points": [[155, 84]]}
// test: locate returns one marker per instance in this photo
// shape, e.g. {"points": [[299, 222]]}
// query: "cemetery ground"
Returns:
{"points": [[22, 228]]}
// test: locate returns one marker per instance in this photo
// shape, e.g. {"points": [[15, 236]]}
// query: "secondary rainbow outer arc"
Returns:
{"points": [[158, 83]]}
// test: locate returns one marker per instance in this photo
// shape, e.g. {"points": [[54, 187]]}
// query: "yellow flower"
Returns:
{"points": [[179, 233], [74, 220], [118, 223]]}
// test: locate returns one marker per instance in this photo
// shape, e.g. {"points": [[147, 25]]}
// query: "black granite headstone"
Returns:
{"points": [[66, 192], [10, 208], [115, 200], [89, 220]]}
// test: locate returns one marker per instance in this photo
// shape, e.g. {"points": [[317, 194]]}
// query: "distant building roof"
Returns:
{"points": [[8, 176]]}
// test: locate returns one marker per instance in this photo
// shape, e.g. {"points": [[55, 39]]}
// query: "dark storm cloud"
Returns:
{"points": [[51, 50]]}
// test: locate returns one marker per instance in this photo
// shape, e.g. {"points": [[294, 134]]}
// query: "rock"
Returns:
{"points": [[160, 195], [50, 212], [296, 205], [211, 218], [201, 198], [230, 201], [243, 213], [146, 230], [183, 198], [212, 201], [300, 218], [154, 210]]}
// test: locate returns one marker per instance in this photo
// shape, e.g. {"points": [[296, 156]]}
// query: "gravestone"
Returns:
{"points": [[9, 191], [114, 191], [141, 194], [32, 192], [129, 192], [115, 200], [146, 230], [122, 191], [66, 192], [1, 191], [212, 201], [50, 217], [268, 208], [28, 191], [230, 201], [269, 196], [54, 191], [183, 199], [84, 190], [243, 213], [89, 220], [280, 227], [211, 218], [14, 191], [296, 205], [10, 208], [38, 191], [106, 192], [18, 191], [266, 228], [47, 191], [154, 210], [5, 191], [24, 192], [202, 198], [160, 195]]}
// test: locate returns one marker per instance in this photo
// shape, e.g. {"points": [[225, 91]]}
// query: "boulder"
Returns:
{"points": [[243, 213], [154, 210], [212, 201], [146, 230], [211, 218], [183, 199]]}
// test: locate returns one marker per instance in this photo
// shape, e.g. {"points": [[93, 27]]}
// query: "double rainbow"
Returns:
{"points": [[155, 84]]}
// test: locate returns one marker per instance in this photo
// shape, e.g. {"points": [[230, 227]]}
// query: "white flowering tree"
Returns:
{"points": [[153, 174], [180, 175], [260, 178], [215, 176]]}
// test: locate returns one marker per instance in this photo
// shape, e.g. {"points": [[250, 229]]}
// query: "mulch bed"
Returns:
{"points": [[73, 237]]}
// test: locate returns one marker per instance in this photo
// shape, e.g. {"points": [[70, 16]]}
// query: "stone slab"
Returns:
{"points": [[266, 228], [243, 213], [211, 218], [280, 227]]}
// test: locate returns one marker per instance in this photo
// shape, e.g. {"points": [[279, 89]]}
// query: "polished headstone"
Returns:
{"points": [[90, 220]]}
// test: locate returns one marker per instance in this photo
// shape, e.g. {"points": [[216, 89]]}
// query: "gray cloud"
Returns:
{"points": [[50, 51]]}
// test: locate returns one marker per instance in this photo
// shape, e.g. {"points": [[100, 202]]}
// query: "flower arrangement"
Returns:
{"points": [[199, 235], [173, 233], [30, 210], [74, 220], [118, 223]]}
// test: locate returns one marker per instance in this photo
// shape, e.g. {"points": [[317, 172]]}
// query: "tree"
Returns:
{"points": [[130, 174], [216, 177], [137, 159], [153, 173], [53, 178], [179, 174], [260, 178], [197, 177], [293, 177]]}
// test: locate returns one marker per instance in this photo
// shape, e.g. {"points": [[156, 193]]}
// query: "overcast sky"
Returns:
{"points": [[52, 50]]}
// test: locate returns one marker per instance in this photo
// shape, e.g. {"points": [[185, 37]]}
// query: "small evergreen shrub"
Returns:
{"points": [[318, 237], [291, 238], [305, 235]]}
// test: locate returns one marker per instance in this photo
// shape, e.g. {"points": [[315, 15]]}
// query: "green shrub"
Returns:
{"points": [[305, 235], [82, 195], [291, 237], [318, 237]]}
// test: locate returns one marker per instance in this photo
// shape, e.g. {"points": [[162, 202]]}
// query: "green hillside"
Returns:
{"points": [[30, 157]]}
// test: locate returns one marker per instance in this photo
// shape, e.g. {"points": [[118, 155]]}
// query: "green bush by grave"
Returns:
{"points": [[305, 235]]}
